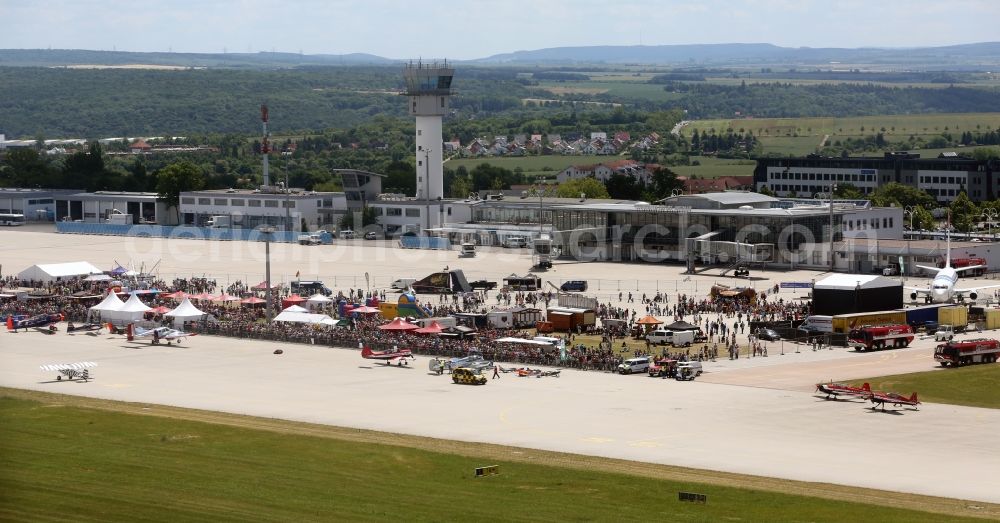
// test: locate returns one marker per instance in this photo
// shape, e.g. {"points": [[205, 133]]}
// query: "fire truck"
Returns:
{"points": [[956, 353], [880, 336], [959, 263]]}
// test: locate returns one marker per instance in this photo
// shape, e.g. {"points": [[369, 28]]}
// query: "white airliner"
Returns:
{"points": [[942, 288]]}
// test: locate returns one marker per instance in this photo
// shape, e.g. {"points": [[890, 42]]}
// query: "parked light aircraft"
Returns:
{"points": [[942, 288], [897, 400], [389, 356], [161, 333], [41, 320], [832, 389], [71, 371]]}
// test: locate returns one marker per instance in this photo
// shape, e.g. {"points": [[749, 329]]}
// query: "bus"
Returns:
{"points": [[11, 219]]}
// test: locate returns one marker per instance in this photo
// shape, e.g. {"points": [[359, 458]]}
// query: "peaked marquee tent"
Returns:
{"points": [[107, 307], [305, 317], [131, 311], [186, 311]]}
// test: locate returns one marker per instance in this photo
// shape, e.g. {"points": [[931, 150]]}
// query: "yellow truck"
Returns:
{"points": [[843, 323], [957, 317]]}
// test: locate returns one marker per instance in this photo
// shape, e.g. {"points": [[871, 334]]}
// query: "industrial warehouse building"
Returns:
{"points": [[851, 293]]}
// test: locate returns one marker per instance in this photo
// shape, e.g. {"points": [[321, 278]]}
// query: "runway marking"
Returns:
{"points": [[595, 439]]}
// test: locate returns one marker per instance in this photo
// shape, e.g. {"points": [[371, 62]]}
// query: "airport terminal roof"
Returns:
{"points": [[853, 281]]}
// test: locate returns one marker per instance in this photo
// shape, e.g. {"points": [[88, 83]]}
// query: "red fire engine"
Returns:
{"points": [[959, 263], [880, 336], [964, 352]]}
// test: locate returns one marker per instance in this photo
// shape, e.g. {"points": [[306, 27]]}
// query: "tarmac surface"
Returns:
{"points": [[785, 433], [753, 415]]}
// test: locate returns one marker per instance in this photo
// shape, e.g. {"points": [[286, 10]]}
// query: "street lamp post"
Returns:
{"points": [[990, 215], [909, 210], [267, 230]]}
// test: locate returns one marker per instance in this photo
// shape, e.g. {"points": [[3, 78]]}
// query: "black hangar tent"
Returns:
{"points": [[850, 293]]}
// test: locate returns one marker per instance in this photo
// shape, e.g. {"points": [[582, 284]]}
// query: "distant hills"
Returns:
{"points": [[954, 57]]}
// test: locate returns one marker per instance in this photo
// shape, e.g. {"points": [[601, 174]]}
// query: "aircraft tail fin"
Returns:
{"points": [[914, 399], [366, 352], [947, 235], [866, 387], [130, 332], [10, 323]]}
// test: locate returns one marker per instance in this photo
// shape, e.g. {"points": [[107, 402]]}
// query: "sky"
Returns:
{"points": [[468, 29]]}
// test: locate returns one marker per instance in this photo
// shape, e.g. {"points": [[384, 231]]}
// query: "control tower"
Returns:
{"points": [[428, 87]]}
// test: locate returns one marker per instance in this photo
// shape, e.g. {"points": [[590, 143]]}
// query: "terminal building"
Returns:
{"points": [[943, 177], [247, 209]]}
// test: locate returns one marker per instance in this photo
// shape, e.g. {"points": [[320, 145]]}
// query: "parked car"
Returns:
{"points": [[370, 235], [347, 234], [634, 365], [574, 286], [768, 334], [741, 270]]}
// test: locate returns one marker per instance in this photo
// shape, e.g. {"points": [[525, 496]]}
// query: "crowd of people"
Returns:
{"points": [[720, 320]]}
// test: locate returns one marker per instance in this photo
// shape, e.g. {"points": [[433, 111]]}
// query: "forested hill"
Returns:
{"points": [[96, 103]]}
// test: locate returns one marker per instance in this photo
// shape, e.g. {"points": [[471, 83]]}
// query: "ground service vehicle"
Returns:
{"points": [[309, 239], [467, 376], [308, 288], [688, 370], [956, 353], [11, 220], [468, 250], [220, 222], [515, 242], [944, 333], [663, 368], [741, 270], [347, 234], [370, 235], [633, 365], [878, 337], [814, 325]]}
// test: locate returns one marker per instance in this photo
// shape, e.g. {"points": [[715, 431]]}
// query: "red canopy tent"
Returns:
{"points": [[202, 296], [225, 298], [433, 328], [179, 296], [398, 325], [253, 300], [160, 310], [262, 286], [364, 309], [294, 299]]}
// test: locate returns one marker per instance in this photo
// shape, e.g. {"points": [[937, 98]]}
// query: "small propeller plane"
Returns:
{"points": [[896, 400], [41, 320], [833, 390], [86, 327], [161, 333], [394, 354], [71, 371]]}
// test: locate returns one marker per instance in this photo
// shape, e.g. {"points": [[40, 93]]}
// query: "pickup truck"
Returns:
{"points": [[310, 239], [483, 285]]}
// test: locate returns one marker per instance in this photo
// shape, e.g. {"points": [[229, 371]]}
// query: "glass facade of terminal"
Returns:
{"points": [[663, 228]]}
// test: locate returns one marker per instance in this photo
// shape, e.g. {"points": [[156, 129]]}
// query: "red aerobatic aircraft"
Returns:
{"points": [[392, 355], [841, 389], [891, 398]]}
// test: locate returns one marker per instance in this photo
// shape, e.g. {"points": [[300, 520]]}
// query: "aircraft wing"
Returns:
{"points": [[171, 334], [918, 290], [975, 289], [80, 365], [926, 268]]}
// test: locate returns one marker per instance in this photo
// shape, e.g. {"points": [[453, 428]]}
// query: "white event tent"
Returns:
{"points": [[295, 308], [186, 311], [50, 272], [305, 317], [107, 308], [131, 311]]}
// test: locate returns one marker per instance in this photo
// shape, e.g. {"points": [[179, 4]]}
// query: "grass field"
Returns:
{"points": [[973, 386], [62, 462], [715, 167], [616, 88]]}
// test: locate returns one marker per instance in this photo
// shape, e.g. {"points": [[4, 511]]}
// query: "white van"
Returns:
{"points": [[816, 325], [634, 365], [515, 242], [675, 338]]}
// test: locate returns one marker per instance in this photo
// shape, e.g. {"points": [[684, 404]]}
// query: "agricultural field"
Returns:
{"points": [[715, 167], [895, 125], [972, 386], [64, 461], [618, 88]]}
